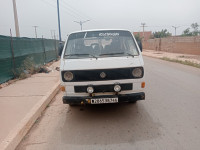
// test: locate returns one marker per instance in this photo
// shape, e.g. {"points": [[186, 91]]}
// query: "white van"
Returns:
{"points": [[102, 66]]}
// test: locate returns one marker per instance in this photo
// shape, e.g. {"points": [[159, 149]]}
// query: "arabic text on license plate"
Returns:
{"points": [[104, 100]]}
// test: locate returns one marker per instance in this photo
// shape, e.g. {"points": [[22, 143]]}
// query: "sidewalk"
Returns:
{"points": [[177, 56], [20, 98]]}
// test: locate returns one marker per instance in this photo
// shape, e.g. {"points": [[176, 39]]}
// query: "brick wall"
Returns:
{"points": [[185, 45], [147, 34]]}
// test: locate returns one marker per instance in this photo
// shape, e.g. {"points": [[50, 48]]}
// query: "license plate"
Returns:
{"points": [[104, 100]]}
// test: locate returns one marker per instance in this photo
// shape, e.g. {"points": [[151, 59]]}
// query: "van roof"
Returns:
{"points": [[99, 30]]}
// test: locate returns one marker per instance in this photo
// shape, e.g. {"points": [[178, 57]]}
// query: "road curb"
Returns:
{"points": [[150, 56], [143, 54], [18, 133]]}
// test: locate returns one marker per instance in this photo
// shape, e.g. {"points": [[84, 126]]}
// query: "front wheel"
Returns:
{"points": [[133, 101], [73, 105]]}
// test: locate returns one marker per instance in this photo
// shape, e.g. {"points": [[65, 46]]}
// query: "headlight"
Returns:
{"points": [[90, 89], [137, 72], [68, 76]]}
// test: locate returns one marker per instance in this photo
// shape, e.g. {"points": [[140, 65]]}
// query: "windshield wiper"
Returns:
{"points": [[110, 54], [93, 56], [80, 55], [117, 54], [129, 54]]}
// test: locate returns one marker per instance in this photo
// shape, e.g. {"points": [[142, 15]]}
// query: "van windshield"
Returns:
{"points": [[108, 43]]}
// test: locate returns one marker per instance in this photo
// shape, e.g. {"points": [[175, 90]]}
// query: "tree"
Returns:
{"points": [[187, 32], [195, 27], [195, 31], [138, 38], [161, 34]]}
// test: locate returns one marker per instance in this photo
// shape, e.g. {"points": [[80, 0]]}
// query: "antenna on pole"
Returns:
{"points": [[175, 28], [35, 31], [81, 23], [16, 19]]}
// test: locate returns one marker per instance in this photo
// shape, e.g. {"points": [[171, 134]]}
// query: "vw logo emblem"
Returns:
{"points": [[103, 75]]}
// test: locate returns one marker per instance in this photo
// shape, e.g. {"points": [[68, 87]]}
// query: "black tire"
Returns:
{"points": [[133, 102], [72, 105]]}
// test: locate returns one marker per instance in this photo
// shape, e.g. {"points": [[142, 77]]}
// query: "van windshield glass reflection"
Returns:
{"points": [[100, 44]]}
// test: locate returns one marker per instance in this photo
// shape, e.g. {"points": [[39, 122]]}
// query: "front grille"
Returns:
{"points": [[95, 75], [103, 88]]}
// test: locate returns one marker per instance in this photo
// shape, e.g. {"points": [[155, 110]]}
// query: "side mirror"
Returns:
{"points": [[140, 45], [60, 49]]}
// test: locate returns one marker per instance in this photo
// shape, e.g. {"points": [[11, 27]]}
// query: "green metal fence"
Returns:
{"points": [[13, 52]]}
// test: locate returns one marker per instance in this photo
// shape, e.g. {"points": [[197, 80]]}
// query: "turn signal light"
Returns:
{"points": [[89, 101], [62, 88], [143, 85]]}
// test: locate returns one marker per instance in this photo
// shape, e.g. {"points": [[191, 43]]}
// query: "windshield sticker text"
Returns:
{"points": [[108, 34]]}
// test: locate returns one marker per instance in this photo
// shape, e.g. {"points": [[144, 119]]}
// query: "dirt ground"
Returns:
{"points": [[182, 57], [168, 119]]}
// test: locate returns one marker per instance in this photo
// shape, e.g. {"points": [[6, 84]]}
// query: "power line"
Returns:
{"points": [[76, 11], [68, 8], [81, 14], [47, 2], [68, 13]]}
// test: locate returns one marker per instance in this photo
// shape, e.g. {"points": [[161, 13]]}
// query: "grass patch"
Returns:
{"points": [[186, 62], [182, 56], [27, 68]]}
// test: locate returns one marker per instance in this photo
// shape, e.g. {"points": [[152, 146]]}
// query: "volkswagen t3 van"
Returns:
{"points": [[102, 66]]}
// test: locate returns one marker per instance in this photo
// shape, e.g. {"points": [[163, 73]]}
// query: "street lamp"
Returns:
{"points": [[81, 23], [175, 28]]}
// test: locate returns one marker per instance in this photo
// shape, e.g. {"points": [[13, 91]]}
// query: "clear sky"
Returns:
{"points": [[126, 14]]}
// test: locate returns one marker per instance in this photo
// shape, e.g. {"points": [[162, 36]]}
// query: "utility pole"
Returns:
{"points": [[16, 19], [81, 23], [143, 25], [35, 31], [58, 10], [53, 34], [175, 28]]}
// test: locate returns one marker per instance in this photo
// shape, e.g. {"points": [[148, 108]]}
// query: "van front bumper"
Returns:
{"points": [[121, 98]]}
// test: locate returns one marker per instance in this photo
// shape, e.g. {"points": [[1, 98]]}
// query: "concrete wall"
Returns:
{"points": [[185, 45]]}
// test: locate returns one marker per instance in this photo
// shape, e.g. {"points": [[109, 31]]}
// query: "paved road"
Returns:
{"points": [[169, 118]]}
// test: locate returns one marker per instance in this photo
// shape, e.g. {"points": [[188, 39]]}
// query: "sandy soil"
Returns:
{"points": [[161, 54]]}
